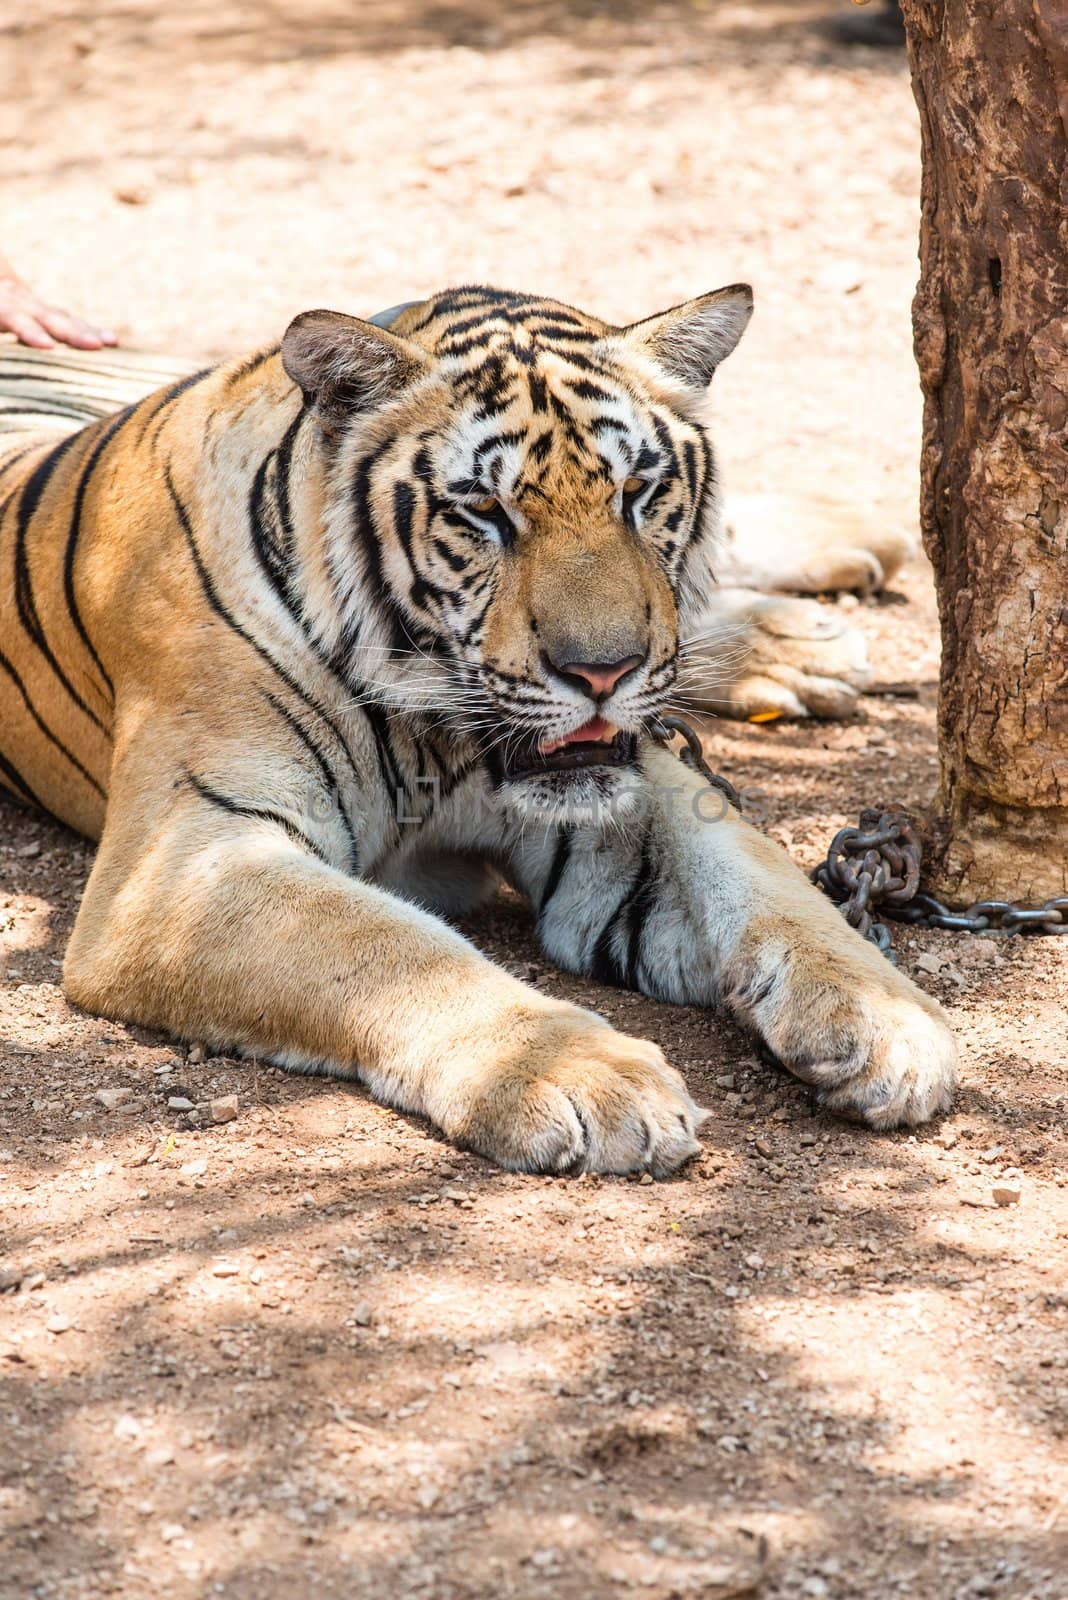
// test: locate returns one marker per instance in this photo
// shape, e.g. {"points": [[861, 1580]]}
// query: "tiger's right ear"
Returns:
{"points": [[343, 365]]}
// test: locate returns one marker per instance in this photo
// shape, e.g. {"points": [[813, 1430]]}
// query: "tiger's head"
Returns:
{"points": [[521, 513]]}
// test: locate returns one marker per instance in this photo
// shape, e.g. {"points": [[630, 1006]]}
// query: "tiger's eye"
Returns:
{"points": [[485, 506], [633, 485]]}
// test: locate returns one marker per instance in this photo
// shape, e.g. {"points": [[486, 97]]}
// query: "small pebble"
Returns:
{"points": [[1003, 1195], [646, 1177], [363, 1315], [226, 1269], [110, 1098], [223, 1109], [178, 1102], [58, 1323]]}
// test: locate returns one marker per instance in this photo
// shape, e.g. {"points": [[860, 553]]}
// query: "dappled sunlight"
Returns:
{"points": [[314, 1349]]}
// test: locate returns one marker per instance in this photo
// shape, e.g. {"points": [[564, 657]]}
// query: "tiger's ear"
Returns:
{"points": [[691, 340], [343, 365]]}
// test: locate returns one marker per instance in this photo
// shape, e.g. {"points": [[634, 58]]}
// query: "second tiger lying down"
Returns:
{"points": [[324, 641]]}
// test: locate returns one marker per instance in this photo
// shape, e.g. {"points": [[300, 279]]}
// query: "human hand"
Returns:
{"points": [[39, 325]]}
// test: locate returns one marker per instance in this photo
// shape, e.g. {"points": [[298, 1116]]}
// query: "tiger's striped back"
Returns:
{"points": [[62, 390], [59, 412]]}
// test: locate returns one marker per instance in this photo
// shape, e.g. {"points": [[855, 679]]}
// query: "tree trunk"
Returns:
{"points": [[991, 83]]}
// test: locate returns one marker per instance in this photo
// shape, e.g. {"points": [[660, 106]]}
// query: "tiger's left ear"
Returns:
{"points": [[691, 340], [343, 365]]}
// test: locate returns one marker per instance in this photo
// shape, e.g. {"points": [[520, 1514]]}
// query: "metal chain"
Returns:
{"points": [[694, 755], [877, 867]]}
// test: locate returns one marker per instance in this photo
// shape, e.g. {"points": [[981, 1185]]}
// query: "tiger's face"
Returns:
{"points": [[522, 509]]}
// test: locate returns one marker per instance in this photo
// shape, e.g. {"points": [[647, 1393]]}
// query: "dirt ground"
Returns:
{"points": [[314, 1350]]}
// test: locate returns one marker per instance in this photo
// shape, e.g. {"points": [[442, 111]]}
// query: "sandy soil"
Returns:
{"points": [[314, 1350]]}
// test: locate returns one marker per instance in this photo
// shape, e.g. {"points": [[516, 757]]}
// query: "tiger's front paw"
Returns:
{"points": [[904, 1074], [875, 1048], [567, 1093]]}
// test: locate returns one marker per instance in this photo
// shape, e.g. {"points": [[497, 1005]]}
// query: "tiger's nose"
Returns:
{"points": [[597, 679]]}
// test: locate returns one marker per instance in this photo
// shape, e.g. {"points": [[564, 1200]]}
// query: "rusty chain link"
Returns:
{"points": [[876, 867], [694, 754]]}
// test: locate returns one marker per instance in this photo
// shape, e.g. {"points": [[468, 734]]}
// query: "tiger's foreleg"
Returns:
{"points": [[220, 925], [688, 903]]}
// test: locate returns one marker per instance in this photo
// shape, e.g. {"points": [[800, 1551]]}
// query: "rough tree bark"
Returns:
{"points": [[991, 83]]}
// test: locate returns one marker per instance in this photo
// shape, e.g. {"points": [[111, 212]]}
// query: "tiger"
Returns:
{"points": [[789, 658], [325, 643]]}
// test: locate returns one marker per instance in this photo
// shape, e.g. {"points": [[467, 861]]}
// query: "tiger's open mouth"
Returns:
{"points": [[595, 744]]}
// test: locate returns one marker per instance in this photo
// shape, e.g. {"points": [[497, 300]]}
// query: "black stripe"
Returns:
{"points": [[708, 478], [561, 857], [328, 775], [238, 808], [565, 417], [13, 461], [53, 739], [372, 550], [250, 365], [403, 516], [457, 563], [494, 442], [25, 603], [16, 782], [164, 398], [387, 758], [633, 909], [539, 448], [605, 965], [667, 443], [273, 559], [565, 334], [463, 347], [48, 406], [70, 554], [642, 901], [689, 457], [586, 389], [223, 612], [282, 471]]}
